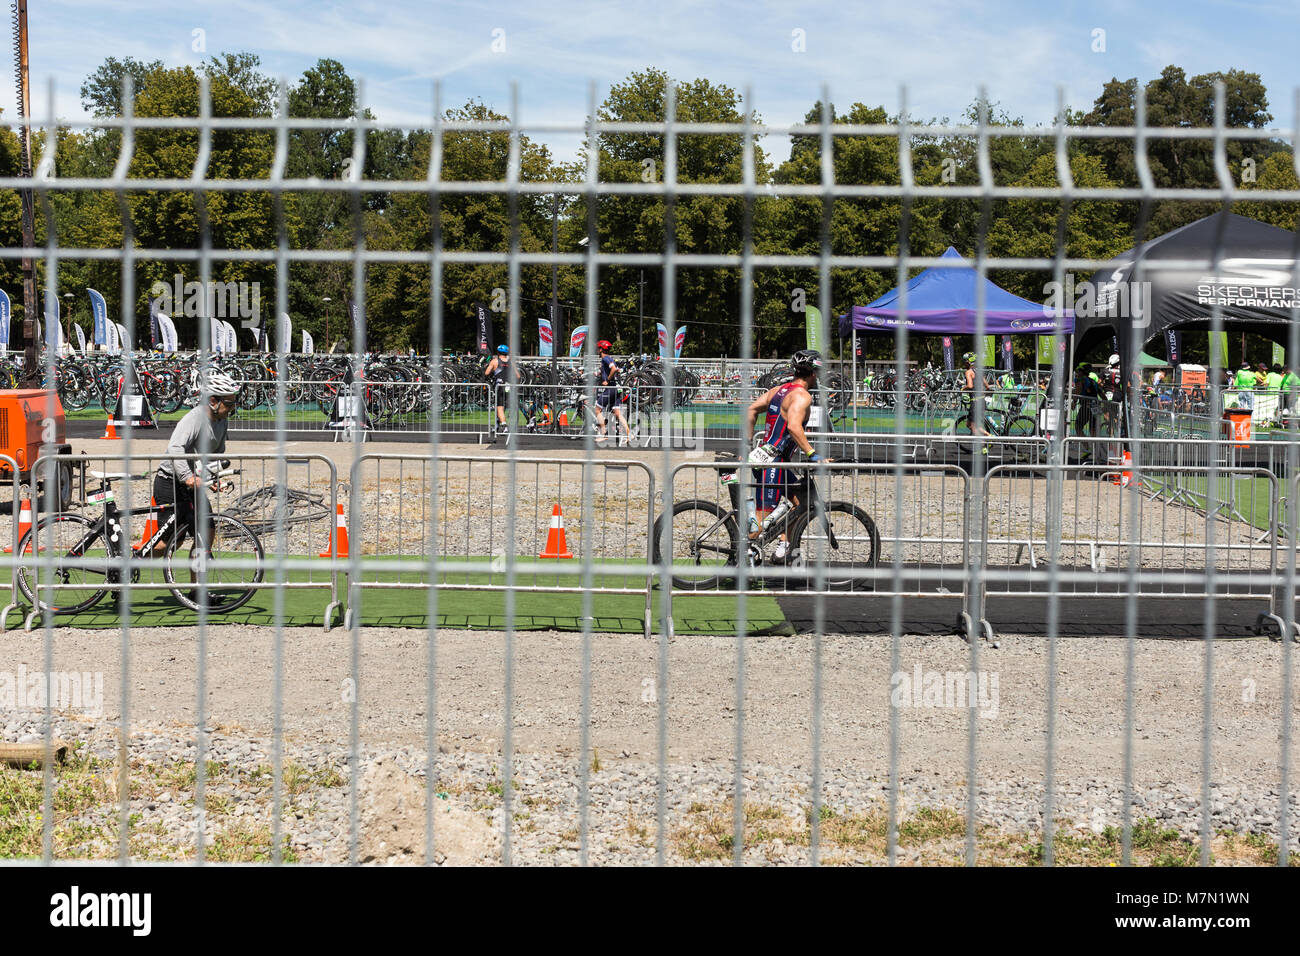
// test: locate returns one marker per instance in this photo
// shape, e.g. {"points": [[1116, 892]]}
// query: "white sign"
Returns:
{"points": [[349, 406]]}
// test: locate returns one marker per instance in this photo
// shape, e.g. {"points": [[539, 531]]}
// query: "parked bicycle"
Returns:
{"points": [[1007, 422], [836, 534], [87, 556]]}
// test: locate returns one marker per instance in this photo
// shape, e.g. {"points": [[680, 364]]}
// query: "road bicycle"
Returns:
{"points": [[1004, 423], [837, 535], [86, 559]]}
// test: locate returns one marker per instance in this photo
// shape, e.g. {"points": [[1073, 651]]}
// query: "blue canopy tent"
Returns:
{"points": [[944, 300]]}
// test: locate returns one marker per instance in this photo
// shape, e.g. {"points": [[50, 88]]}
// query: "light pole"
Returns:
{"points": [[555, 282], [640, 328], [327, 300]]}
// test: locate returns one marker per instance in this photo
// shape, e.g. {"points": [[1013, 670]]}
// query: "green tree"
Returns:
{"points": [[706, 299], [1173, 100], [397, 300], [1028, 228]]}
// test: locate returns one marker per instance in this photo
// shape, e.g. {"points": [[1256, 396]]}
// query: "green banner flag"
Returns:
{"points": [[1279, 355], [813, 326], [990, 351], [1046, 343], [1219, 350]]}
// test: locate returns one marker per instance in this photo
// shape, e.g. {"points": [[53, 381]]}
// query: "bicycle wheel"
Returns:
{"points": [[1022, 427], [228, 587], [76, 588], [703, 535], [573, 420], [856, 544]]}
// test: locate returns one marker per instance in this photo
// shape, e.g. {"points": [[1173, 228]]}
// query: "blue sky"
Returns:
{"points": [[941, 49]]}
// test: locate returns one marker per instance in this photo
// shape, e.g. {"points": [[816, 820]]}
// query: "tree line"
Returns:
{"points": [[397, 296]]}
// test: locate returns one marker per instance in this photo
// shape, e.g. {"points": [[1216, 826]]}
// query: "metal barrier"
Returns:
{"points": [[702, 514], [1156, 548], [448, 513], [302, 518], [390, 408], [12, 480]]}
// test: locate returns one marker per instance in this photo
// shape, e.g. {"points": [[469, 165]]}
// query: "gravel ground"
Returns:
{"points": [[701, 730], [776, 723]]}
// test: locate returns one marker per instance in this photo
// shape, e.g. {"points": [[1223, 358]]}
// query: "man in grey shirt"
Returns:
{"points": [[202, 430]]}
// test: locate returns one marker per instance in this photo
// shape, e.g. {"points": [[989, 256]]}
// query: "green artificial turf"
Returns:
{"points": [[469, 606]]}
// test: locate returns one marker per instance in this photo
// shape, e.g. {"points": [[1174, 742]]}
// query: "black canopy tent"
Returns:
{"points": [[1253, 280]]}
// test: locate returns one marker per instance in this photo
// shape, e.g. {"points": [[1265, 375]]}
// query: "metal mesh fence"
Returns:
{"points": [[943, 515]]}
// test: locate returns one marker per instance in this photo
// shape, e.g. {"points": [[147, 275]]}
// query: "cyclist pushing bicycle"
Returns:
{"points": [[787, 407], [71, 562], [203, 429]]}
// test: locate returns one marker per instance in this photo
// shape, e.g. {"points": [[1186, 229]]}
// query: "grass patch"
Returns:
{"points": [[80, 786], [247, 843]]}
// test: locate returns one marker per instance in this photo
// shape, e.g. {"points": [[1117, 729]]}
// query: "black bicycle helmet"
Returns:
{"points": [[805, 361]]}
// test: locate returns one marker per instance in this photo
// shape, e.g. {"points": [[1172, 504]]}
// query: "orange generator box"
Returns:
{"points": [[29, 419]]}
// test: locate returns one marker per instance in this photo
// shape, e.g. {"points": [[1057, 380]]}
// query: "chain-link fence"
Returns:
{"points": [[747, 668]]}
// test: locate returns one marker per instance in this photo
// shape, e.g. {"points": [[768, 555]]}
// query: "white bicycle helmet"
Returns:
{"points": [[1114, 359], [217, 384]]}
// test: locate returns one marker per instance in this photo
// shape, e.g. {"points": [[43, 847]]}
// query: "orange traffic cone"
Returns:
{"points": [[111, 430], [151, 523], [564, 419], [555, 543], [338, 546], [24, 521], [1126, 476]]}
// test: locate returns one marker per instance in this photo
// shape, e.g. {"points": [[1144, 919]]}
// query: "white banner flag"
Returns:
{"points": [[81, 339], [286, 333], [167, 330], [123, 340], [232, 340], [308, 346]]}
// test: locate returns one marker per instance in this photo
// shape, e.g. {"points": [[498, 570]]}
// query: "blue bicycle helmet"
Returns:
{"points": [[503, 349]]}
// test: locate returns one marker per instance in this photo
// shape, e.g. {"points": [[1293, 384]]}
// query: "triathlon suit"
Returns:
{"points": [[501, 377], [608, 395], [772, 482]]}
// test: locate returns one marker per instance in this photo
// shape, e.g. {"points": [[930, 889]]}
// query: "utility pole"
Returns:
{"points": [[31, 373]]}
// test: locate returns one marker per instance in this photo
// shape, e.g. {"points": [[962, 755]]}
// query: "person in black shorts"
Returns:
{"points": [[201, 431], [500, 373], [607, 394]]}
